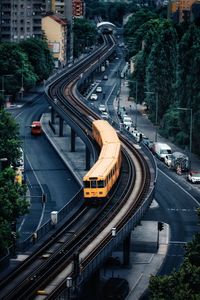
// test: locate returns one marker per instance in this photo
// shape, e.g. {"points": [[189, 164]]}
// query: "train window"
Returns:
{"points": [[93, 184], [101, 183], [87, 184]]}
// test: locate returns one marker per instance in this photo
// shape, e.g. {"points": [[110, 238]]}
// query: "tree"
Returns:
{"points": [[9, 137], [12, 195], [85, 35], [39, 56], [13, 205], [161, 68], [15, 62], [188, 86], [136, 20]]}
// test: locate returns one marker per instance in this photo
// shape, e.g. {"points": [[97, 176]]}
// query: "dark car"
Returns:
{"points": [[116, 288]]}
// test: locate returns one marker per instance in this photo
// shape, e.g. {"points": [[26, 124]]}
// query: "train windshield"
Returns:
{"points": [[93, 184], [87, 184], [101, 183]]}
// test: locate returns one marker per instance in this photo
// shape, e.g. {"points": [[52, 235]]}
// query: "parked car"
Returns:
{"points": [[102, 107], [105, 115], [150, 144], [179, 160], [161, 150], [168, 159], [94, 97], [105, 77], [145, 140], [127, 121], [99, 89], [194, 176]]}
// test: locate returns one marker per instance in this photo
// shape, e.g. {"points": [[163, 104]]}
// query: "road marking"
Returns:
{"points": [[181, 188], [183, 209], [177, 242]]}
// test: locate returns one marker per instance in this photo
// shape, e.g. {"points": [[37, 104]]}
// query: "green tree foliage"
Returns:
{"points": [[13, 205], [144, 38], [39, 56], [161, 68], [12, 202], [9, 137], [15, 62], [116, 12], [85, 35], [188, 87], [183, 284], [136, 20], [112, 11]]}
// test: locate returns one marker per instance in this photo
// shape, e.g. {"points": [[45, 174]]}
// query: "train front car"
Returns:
{"points": [[103, 175]]}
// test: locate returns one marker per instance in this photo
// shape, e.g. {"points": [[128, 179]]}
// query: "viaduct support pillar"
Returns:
{"points": [[73, 137], [126, 250], [60, 126], [87, 159], [52, 116]]}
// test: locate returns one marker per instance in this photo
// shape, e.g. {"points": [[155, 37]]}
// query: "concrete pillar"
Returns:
{"points": [[87, 159], [73, 139], [60, 126], [52, 116], [126, 250]]}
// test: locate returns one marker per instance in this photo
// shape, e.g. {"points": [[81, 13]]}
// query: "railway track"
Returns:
{"points": [[43, 275]]}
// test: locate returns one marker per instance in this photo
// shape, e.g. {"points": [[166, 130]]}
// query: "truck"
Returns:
{"points": [[127, 121], [161, 150], [177, 160]]}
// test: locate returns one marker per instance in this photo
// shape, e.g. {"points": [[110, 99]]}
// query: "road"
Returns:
{"points": [[45, 171]]}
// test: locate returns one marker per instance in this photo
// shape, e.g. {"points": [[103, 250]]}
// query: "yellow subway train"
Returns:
{"points": [[100, 179]]}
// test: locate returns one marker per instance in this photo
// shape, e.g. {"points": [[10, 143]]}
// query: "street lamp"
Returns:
{"points": [[191, 121], [3, 84], [22, 84], [156, 121]]}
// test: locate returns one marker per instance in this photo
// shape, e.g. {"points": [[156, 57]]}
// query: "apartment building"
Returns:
{"points": [[78, 8], [21, 19], [180, 10], [55, 30], [62, 8]]}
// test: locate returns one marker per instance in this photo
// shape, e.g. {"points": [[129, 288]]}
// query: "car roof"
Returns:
{"points": [[194, 172]]}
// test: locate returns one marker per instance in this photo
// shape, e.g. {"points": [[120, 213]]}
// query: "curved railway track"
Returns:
{"points": [[45, 272]]}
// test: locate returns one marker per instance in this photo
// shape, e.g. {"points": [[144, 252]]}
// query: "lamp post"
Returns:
{"points": [[22, 84], [3, 84], [191, 121], [156, 120]]}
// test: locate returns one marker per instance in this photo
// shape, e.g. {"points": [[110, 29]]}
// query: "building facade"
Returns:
{"points": [[55, 30], [67, 8], [21, 19], [180, 10]]}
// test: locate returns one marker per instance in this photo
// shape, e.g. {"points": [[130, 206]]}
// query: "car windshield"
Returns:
{"points": [[195, 174], [165, 151]]}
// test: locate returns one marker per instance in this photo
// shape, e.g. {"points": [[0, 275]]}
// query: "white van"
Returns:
{"points": [[127, 121], [161, 150]]}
